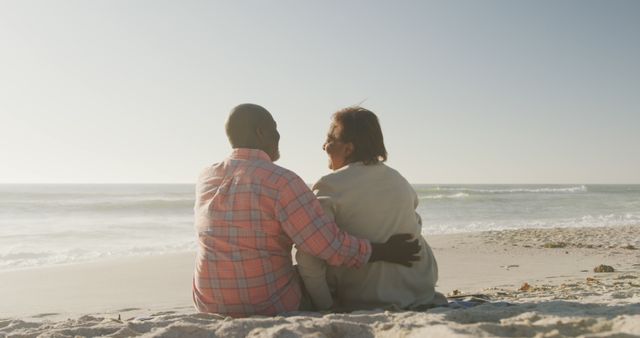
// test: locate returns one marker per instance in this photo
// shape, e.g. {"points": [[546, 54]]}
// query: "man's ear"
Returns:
{"points": [[348, 149], [259, 134]]}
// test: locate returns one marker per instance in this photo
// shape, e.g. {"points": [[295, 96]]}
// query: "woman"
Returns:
{"points": [[369, 200]]}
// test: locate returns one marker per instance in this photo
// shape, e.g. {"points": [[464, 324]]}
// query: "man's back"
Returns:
{"points": [[248, 213], [244, 262]]}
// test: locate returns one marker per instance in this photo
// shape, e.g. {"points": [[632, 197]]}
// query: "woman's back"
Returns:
{"points": [[369, 201], [374, 202]]}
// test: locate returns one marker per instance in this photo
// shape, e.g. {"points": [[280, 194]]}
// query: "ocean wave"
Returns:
{"points": [[586, 221], [574, 189], [142, 204], [104, 205], [30, 258], [438, 197]]}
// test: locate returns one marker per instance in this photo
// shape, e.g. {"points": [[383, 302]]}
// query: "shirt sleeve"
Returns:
{"points": [[304, 221]]}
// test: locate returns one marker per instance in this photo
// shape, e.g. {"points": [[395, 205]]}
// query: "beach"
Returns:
{"points": [[137, 136], [528, 282]]}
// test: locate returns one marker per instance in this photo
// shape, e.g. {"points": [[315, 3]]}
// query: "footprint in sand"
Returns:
{"points": [[42, 315], [507, 267]]}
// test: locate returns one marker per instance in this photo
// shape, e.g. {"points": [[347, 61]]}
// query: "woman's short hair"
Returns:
{"points": [[360, 126]]}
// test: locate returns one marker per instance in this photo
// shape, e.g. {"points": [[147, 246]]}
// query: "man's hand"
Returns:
{"points": [[400, 249]]}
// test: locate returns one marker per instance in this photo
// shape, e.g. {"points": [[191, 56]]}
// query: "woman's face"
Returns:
{"points": [[337, 150]]}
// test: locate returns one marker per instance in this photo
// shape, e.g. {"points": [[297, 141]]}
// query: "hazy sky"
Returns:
{"points": [[466, 91]]}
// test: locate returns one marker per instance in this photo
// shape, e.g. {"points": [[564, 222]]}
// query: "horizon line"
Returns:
{"points": [[412, 183]]}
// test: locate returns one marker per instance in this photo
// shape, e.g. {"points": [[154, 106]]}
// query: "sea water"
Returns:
{"points": [[57, 224]]}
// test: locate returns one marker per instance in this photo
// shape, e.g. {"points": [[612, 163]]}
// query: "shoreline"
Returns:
{"points": [[489, 235], [500, 264], [71, 290]]}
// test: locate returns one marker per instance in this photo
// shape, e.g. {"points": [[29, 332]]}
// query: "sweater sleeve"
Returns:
{"points": [[312, 269]]}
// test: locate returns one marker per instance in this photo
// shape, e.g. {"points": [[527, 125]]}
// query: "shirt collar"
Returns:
{"points": [[249, 154]]}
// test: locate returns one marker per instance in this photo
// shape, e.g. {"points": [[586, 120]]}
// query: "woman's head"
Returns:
{"points": [[354, 136]]}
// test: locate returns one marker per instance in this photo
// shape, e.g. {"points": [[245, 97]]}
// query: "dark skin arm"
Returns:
{"points": [[400, 249]]}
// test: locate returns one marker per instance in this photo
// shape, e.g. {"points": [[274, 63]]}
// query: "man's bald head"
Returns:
{"points": [[252, 126]]}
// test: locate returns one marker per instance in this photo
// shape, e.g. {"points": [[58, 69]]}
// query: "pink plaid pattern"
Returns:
{"points": [[248, 214]]}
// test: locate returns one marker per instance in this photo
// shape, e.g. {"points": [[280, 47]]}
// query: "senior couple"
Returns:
{"points": [[357, 235]]}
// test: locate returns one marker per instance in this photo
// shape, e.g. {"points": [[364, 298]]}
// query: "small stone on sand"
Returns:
{"points": [[553, 245], [455, 292], [592, 280], [603, 268], [525, 287]]}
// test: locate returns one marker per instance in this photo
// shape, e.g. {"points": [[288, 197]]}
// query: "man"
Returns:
{"points": [[248, 214]]}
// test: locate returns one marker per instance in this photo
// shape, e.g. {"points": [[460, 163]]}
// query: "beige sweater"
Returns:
{"points": [[372, 202]]}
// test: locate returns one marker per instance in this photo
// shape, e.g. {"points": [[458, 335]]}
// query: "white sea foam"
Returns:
{"points": [[587, 221], [574, 189], [45, 225], [12, 259], [440, 196]]}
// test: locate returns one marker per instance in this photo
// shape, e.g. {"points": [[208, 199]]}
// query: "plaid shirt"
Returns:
{"points": [[248, 214]]}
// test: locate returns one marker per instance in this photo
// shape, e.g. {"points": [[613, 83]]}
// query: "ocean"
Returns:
{"points": [[44, 225]]}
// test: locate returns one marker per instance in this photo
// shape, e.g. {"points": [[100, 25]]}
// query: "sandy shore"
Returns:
{"points": [[540, 282]]}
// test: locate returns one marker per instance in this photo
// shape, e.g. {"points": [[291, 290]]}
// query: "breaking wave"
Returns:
{"points": [[574, 189], [439, 197]]}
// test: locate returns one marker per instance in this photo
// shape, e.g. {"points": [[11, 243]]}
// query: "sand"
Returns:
{"points": [[540, 283]]}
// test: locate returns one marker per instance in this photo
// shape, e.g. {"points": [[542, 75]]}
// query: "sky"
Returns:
{"points": [[466, 91]]}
